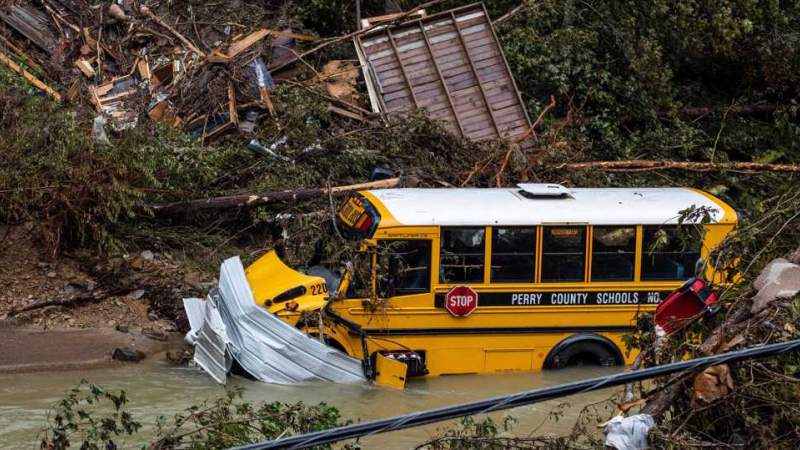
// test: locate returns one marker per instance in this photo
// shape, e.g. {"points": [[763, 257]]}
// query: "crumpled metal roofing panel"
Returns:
{"points": [[268, 348]]}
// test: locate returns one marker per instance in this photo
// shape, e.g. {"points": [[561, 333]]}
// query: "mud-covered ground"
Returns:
{"points": [[67, 313]]}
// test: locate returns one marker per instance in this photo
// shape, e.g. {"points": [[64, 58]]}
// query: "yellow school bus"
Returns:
{"points": [[499, 280]]}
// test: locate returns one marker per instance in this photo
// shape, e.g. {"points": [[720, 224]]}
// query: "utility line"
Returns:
{"points": [[515, 400]]}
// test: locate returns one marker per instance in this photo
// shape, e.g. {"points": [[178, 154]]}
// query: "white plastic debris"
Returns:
{"points": [[628, 433], [99, 131]]}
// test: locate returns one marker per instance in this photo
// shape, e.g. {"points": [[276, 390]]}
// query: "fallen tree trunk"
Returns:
{"points": [[265, 198], [646, 165], [80, 300]]}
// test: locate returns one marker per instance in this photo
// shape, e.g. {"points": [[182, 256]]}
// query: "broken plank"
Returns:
{"points": [[31, 23], [232, 113], [83, 65], [247, 42], [346, 113], [22, 55], [29, 76], [144, 69]]}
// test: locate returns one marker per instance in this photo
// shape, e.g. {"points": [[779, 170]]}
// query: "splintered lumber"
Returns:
{"points": [[73, 91], [22, 55], [247, 42], [232, 113], [251, 39], [83, 65], [646, 165], [31, 23], [29, 76], [265, 198], [144, 69], [147, 12]]}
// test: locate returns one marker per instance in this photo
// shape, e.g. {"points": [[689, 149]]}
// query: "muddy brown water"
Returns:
{"points": [[158, 388]]}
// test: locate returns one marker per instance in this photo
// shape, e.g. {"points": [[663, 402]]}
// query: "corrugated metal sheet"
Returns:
{"points": [[209, 338], [450, 64], [268, 348]]}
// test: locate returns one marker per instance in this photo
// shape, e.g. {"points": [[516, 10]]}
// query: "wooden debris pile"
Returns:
{"points": [[210, 68], [199, 67]]}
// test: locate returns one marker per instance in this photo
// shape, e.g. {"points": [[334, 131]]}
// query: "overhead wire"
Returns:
{"points": [[518, 399]]}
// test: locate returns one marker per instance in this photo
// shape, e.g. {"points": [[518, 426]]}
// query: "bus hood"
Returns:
{"points": [[277, 287]]}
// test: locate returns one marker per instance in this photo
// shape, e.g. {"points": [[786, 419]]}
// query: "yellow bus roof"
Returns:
{"points": [[515, 206]]}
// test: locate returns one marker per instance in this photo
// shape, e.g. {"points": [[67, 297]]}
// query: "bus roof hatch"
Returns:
{"points": [[544, 190]]}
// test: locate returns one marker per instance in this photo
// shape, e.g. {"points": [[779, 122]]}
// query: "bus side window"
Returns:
{"points": [[613, 253], [461, 259], [513, 254], [665, 256], [563, 254], [404, 267]]}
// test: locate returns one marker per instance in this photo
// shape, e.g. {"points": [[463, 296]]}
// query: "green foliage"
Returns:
{"points": [[82, 419], [228, 421], [471, 433], [54, 176], [631, 67], [93, 418]]}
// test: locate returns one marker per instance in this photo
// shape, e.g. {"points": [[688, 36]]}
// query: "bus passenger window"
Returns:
{"points": [[563, 254], [665, 256], [404, 267], [462, 255], [513, 254], [613, 253]]}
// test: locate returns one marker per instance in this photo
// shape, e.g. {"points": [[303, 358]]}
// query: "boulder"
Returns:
{"points": [[128, 355], [780, 279]]}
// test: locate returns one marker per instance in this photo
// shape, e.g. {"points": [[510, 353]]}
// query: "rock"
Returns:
{"points": [[116, 11], [137, 294], [147, 255], [127, 354], [194, 280], [154, 334], [122, 328], [137, 262], [51, 274], [780, 279]]}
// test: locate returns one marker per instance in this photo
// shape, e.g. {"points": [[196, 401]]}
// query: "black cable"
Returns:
{"points": [[514, 400]]}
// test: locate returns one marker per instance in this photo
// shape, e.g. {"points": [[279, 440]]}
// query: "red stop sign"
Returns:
{"points": [[460, 301]]}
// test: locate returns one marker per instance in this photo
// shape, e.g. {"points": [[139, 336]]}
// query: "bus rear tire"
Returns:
{"points": [[584, 350]]}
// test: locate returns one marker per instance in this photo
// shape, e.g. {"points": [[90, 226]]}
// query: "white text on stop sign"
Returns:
{"points": [[461, 300]]}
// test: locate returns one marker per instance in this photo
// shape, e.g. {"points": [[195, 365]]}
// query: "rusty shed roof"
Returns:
{"points": [[452, 65]]}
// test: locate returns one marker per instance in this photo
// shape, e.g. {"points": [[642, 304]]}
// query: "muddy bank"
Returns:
{"points": [[32, 350]]}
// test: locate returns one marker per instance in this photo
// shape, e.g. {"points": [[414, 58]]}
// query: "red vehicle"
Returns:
{"points": [[685, 305]]}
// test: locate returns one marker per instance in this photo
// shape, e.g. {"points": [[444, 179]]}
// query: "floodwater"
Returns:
{"points": [[159, 388]]}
